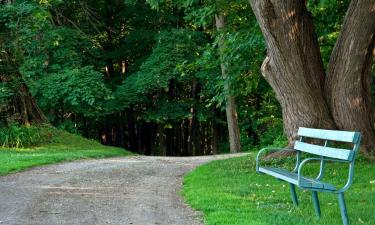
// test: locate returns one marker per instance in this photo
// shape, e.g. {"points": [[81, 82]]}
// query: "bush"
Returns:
{"points": [[273, 134], [17, 136], [68, 126]]}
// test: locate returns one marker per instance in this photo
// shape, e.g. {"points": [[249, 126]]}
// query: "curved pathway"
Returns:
{"points": [[136, 190]]}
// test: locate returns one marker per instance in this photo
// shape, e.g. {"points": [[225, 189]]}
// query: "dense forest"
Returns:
{"points": [[185, 77]]}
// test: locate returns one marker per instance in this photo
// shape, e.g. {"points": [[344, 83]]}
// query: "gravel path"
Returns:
{"points": [[136, 190]]}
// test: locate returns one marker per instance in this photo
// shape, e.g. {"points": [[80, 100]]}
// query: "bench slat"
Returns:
{"points": [[336, 153], [290, 177], [280, 174], [332, 135]]}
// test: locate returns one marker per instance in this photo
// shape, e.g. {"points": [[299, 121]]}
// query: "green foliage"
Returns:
{"points": [[5, 94], [243, 53], [21, 136], [89, 62], [68, 126], [328, 17], [168, 111], [22, 21], [174, 50], [81, 90], [201, 16], [271, 132]]}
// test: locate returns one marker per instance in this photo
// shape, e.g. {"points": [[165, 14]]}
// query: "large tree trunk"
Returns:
{"points": [[348, 83], [230, 108], [293, 67]]}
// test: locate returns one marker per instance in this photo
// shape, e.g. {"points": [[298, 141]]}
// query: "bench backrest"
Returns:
{"points": [[328, 135]]}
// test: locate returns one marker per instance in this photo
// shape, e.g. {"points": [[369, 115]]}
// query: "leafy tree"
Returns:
{"points": [[156, 76], [19, 106]]}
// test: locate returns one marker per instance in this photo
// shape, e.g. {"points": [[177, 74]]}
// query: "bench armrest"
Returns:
{"points": [[350, 177], [264, 151]]}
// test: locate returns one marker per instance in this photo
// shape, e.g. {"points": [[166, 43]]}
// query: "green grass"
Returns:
{"points": [[62, 146], [231, 192]]}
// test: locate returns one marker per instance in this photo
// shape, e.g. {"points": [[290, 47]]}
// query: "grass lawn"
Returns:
{"points": [[231, 192], [62, 147]]}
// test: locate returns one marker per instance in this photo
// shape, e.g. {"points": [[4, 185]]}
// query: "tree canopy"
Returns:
{"points": [[148, 75]]}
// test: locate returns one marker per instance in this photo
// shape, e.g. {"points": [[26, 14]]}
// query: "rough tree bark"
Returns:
{"points": [[293, 66], [295, 71], [230, 108], [348, 82]]}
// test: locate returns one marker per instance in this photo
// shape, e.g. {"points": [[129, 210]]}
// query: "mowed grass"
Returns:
{"points": [[62, 146], [231, 192]]}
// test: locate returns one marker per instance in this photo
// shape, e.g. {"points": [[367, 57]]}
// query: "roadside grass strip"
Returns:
{"points": [[63, 146]]}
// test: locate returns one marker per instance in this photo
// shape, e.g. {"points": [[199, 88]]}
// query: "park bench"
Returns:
{"points": [[308, 145]]}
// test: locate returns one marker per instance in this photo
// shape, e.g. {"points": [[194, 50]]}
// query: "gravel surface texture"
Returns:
{"points": [[138, 190]]}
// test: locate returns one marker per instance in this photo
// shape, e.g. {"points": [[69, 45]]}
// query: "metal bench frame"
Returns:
{"points": [[325, 154]]}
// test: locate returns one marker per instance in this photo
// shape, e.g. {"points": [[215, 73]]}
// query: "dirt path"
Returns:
{"points": [[135, 190]]}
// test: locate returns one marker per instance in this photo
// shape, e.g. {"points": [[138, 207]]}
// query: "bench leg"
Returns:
{"points": [[316, 203], [294, 194], [344, 213]]}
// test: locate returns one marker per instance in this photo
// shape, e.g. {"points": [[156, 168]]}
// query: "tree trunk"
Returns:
{"points": [[348, 83], [162, 145], [108, 45], [193, 121], [294, 69], [21, 107], [293, 66], [230, 108], [24, 108], [132, 136], [153, 140], [214, 132]]}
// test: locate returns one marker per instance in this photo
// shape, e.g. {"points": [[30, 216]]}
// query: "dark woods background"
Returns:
{"points": [[145, 76]]}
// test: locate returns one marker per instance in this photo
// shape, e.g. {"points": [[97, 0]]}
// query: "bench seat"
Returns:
{"points": [[311, 143], [291, 177]]}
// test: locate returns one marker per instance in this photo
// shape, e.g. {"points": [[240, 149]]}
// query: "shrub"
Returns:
{"points": [[273, 134], [16, 135]]}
